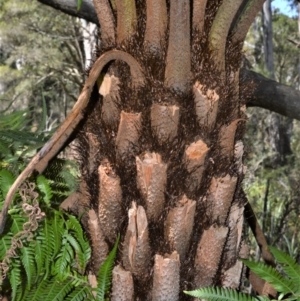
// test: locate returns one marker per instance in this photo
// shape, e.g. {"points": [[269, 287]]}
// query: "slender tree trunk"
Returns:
{"points": [[279, 127]]}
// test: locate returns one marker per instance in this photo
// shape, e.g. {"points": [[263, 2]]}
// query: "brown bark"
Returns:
{"points": [[267, 94], [271, 95], [167, 177]]}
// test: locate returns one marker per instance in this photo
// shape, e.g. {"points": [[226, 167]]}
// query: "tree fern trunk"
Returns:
{"points": [[161, 161]]}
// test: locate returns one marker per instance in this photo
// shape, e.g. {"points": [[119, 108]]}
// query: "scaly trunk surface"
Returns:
{"points": [[161, 146]]}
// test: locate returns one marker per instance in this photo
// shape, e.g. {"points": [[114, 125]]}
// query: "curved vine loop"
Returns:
{"points": [[40, 161], [32, 210]]}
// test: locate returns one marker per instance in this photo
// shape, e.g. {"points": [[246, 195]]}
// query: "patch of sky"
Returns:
{"points": [[284, 7]]}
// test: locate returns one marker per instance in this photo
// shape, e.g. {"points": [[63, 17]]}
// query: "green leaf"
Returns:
{"points": [[289, 265], [105, 273], [79, 3], [220, 294], [80, 293], [28, 261], [14, 277], [44, 187], [270, 275], [6, 181]]}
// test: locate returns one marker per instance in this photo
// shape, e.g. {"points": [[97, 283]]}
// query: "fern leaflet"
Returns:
{"points": [[220, 294], [269, 274], [105, 273], [289, 265], [44, 187]]}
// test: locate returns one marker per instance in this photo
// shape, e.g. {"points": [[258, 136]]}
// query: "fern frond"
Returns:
{"points": [[44, 187], [17, 220], [105, 273], [63, 260], [83, 250], [270, 275], [14, 277], [289, 266], [80, 293], [28, 261], [47, 239], [6, 181], [58, 291], [5, 243], [58, 226], [220, 294]]}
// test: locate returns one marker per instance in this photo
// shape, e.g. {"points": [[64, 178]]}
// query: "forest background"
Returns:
{"points": [[43, 57]]}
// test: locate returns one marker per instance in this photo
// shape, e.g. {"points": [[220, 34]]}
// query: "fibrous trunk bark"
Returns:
{"points": [[167, 150]]}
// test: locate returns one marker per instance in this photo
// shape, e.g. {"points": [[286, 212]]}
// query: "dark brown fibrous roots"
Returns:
{"points": [[172, 152]]}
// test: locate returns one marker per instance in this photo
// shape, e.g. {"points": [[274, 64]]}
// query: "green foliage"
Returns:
{"points": [[220, 294], [15, 137], [272, 141], [79, 3], [287, 285], [50, 264], [105, 273], [46, 76]]}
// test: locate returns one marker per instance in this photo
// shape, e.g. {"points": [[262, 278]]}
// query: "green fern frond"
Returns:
{"points": [[14, 120], [39, 256], [17, 220], [220, 294], [44, 187], [58, 227], [48, 245], [270, 275], [5, 148], [28, 261], [63, 260], [5, 243], [6, 181], [289, 266], [58, 291], [83, 250], [14, 277], [80, 293], [105, 273]]}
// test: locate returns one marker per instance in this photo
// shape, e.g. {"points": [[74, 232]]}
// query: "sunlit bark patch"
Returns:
{"points": [[232, 276], [99, 246], [206, 104], [109, 89], [151, 181], [208, 255], [110, 197], [166, 277], [194, 157], [179, 226], [122, 285], [164, 122], [227, 135], [238, 156], [128, 133], [235, 223], [136, 250], [220, 197], [94, 149], [156, 24]]}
